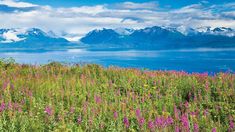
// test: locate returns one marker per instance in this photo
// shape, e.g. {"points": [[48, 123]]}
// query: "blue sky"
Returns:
{"points": [[75, 18], [162, 3]]}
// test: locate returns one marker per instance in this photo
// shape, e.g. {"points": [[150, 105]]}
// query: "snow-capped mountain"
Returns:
{"points": [[102, 36], [149, 38], [32, 38], [162, 38], [223, 31], [21, 34]]}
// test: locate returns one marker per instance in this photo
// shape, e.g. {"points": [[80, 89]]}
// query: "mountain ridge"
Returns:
{"points": [[162, 38], [149, 38], [31, 39]]}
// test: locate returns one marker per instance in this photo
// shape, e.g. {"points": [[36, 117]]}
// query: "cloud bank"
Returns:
{"points": [[74, 22]]}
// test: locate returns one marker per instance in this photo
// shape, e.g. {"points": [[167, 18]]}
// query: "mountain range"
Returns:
{"points": [[154, 38], [149, 38], [32, 39]]}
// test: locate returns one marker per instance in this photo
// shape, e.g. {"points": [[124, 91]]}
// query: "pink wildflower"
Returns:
{"points": [[2, 107], [79, 120], [185, 122], [97, 99], [115, 115], [151, 125], [177, 129], [231, 125], [214, 130], [195, 127], [138, 113], [126, 122], [169, 120], [48, 110], [141, 121]]}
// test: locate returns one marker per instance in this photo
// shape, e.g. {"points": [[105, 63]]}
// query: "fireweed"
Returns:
{"points": [[57, 97]]}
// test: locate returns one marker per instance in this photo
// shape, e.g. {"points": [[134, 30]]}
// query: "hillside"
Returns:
{"points": [[55, 97]]}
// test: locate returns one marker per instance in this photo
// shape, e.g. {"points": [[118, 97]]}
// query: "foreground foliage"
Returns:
{"points": [[55, 97]]}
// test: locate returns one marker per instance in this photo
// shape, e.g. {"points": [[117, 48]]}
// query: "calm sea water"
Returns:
{"points": [[193, 60]]}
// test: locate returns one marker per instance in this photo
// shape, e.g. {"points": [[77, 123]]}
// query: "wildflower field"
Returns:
{"points": [[57, 97]]}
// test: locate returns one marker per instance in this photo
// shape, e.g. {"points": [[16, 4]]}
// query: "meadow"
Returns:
{"points": [[56, 97]]}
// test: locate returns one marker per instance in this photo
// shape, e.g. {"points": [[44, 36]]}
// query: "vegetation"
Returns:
{"points": [[57, 97]]}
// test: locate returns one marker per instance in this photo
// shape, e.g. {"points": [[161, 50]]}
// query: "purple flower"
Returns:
{"points": [[2, 107], [10, 106], [48, 110], [151, 125], [214, 130], [186, 104], [19, 109], [195, 127], [169, 121], [231, 125], [126, 122], [138, 113], [79, 120], [177, 129], [141, 121], [97, 99], [185, 122], [159, 122], [115, 115]]}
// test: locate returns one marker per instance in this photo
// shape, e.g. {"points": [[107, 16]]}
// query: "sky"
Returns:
{"points": [[74, 18], [167, 3]]}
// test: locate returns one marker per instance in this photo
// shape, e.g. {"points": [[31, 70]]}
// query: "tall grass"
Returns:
{"points": [[56, 97]]}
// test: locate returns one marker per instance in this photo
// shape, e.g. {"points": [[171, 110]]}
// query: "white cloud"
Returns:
{"points": [[12, 3], [189, 9], [74, 22], [133, 6]]}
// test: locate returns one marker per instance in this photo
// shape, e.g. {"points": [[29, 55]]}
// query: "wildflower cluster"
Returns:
{"points": [[55, 97]]}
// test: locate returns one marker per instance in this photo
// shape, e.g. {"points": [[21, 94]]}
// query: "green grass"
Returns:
{"points": [[57, 97]]}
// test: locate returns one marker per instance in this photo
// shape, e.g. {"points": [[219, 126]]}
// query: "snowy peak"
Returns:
{"points": [[35, 32], [20, 34], [223, 31], [32, 39], [162, 37], [124, 31], [157, 30], [101, 36]]}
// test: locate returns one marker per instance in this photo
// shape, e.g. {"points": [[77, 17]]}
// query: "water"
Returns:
{"points": [[193, 60]]}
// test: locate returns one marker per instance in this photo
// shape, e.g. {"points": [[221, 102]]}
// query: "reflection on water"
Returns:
{"points": [[191, 60]]}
